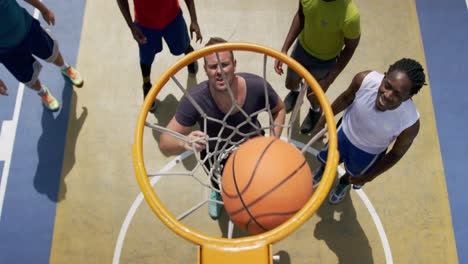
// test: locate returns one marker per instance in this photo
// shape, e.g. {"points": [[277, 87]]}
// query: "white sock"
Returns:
{"points": [[64, 66], [42, 91], [315, 110]]}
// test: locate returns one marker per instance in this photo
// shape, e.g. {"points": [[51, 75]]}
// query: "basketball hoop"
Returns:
{"points": [[251, 249]]}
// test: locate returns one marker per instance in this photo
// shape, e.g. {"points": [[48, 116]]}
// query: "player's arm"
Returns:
{"points": [[48, 15], [170, 145], [136, 32], [343, 59], [296, 27], [279, 114], [401, 146], [193, 21], [3, 88], [344, 100]]}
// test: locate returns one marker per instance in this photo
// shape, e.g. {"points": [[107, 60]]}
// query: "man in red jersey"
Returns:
{"points": [[155, 20]]}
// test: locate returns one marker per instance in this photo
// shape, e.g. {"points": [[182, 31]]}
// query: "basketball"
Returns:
{"points": [[265, 182]]}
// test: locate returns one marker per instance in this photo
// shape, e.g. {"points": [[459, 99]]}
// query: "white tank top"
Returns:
{"points": [[372, 130]]}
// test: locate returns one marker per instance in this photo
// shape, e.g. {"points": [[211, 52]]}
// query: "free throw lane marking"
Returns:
{"points": [[7, 137]]}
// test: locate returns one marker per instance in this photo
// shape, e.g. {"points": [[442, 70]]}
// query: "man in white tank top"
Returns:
{"points": [[379, 111]]}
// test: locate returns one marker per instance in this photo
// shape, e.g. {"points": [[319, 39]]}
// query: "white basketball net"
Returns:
{"points": [[225, 145]]}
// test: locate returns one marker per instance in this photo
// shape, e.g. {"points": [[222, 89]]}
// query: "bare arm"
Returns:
{"points": [[343, 58], [296, 27], [193, 21], [48, 15], [170, 145], [278, 113], [125, 10], [401, 146], [136, 32], [344, 100]]}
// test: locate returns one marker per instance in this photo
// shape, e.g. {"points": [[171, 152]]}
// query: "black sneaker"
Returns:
{"points": [[310, 121], [193, 67], [290, 101], [146, 88]]}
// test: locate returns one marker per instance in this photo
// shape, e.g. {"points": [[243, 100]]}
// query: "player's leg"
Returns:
{"points": [[356, 163], [214, 204], [46, 48], [319, 69], [322, 155], [21, 64], [178, 40], [293, 80], [147, 54]]}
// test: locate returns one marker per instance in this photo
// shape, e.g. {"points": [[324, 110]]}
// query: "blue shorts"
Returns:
{"points": [[175, 34], [356, 161], [20, 61], [317, 67]]}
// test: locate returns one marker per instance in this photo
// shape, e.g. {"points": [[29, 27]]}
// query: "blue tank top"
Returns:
{"points": [[15, 23]]}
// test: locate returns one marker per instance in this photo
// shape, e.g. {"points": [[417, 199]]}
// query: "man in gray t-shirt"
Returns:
{"points": [[215, 101]]}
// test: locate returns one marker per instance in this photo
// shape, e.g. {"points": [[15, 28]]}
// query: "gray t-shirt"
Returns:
{"points": [[187, 115]]}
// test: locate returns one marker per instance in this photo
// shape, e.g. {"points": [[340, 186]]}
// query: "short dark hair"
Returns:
{"points": [[413, 70], [215, 40], [218, 40]]}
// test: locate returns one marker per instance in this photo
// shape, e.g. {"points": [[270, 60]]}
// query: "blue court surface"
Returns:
{"points": [[37, 148], [445, 36]]}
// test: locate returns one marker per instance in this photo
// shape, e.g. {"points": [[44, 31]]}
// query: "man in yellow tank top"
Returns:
{"points": [[327, 33]]}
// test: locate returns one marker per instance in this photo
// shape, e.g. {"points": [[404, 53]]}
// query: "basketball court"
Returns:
{"points": [[68, 191]]}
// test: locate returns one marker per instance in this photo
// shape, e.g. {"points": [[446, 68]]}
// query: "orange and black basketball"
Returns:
{"points": [[265, 182]]}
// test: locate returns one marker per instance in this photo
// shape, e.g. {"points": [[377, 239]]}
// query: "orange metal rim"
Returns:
{"points": [[252, 241]]}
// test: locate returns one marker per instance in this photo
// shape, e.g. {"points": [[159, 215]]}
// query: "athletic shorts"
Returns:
{"points": [[20, 61], [317, 67], [175, 34], [356, 161]]}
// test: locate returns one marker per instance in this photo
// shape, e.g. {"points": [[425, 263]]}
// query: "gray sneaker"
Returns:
{"points": [[338, 193], [318, 173]]}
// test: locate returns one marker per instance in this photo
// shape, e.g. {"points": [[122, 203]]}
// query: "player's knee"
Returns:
{"points": [[291, 84]]}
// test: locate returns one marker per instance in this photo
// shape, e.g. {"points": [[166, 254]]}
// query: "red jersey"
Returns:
{"points": [[155, 14]]}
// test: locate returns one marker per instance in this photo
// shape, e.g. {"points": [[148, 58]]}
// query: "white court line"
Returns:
{"points": [[378, 224], [139, 199], [136, 204], [369, 206], [466, 2], [9, 135], [7, 138]]}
